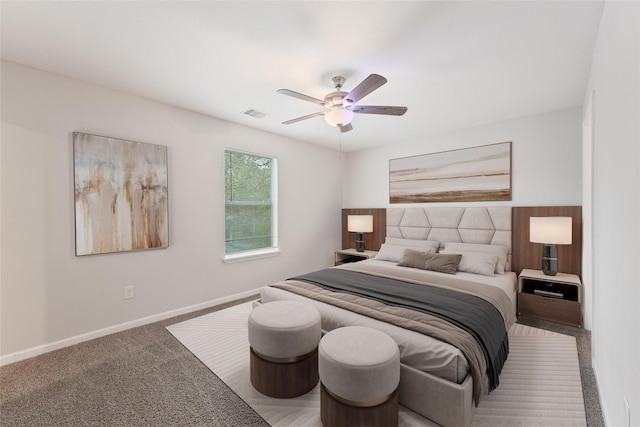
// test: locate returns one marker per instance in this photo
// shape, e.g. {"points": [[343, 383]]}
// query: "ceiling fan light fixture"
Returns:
{"points": [[339, 117], [341, 105]]}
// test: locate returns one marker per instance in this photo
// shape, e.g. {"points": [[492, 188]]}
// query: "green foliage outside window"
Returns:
{"points": [[248, 201]]}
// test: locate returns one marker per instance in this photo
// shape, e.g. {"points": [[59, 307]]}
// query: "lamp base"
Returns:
{"points": [[550, 260], [360, 242]]}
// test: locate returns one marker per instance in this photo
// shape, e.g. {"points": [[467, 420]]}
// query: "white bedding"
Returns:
{"points": [[416, 350]]}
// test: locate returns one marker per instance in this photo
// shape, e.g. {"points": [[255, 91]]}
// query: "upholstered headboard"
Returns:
{"points": [[486, 225]]}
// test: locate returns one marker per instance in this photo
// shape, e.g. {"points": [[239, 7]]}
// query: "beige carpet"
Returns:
{"points": [[540, 383]]}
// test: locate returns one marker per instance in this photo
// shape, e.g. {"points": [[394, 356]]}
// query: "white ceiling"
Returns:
{"points": [[453, 64]]}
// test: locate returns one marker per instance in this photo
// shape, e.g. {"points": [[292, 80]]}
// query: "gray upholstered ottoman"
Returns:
{"points": [[284, 337], [359, 371]]}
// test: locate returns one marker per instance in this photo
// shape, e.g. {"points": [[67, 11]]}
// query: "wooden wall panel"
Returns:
{"points": [[529, 255], [372, 241]]}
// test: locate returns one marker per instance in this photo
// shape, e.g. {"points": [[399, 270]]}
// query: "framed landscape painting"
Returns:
{"points": [[120, 193], [466, 175]]}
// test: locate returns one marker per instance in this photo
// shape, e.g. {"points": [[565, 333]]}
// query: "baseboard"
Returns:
{"points": [[46, 348], [603, 407]]}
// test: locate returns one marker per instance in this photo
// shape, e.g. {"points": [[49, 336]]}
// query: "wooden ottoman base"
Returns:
{"points": [[335, 413], [284, 380]]}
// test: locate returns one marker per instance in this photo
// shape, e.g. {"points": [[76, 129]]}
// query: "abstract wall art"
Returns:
{"points": [[466, 175], [121, 195]]}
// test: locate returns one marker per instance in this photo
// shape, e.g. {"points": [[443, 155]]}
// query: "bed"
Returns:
{"points": [[446, 365]]}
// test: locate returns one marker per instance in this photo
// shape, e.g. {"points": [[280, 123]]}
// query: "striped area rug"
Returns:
{"points": [[540, 382]]}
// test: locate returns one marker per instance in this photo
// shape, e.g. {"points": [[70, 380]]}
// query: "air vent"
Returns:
{"points": [[254, 113]]}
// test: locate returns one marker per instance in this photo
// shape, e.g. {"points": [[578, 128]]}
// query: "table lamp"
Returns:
{"points": [[550, 231], [360, 224]]}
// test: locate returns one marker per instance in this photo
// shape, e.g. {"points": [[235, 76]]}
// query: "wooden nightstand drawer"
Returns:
{"points": [[555, 298], [553, 309]]}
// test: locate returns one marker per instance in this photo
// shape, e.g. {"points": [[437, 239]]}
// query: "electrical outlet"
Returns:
{"points": [[129, 292], [627, 413]]}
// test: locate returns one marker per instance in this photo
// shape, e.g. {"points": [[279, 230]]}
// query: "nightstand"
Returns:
{"points": [[556, 298], [351, 255]]}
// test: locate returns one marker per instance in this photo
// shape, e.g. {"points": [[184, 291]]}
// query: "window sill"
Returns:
{"points": [[249, 255]]}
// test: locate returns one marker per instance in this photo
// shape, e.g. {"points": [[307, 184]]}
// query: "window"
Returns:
{"points": [[250, 184]]}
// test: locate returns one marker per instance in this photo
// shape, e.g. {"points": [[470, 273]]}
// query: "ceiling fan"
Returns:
{"points": [[342, 105]]}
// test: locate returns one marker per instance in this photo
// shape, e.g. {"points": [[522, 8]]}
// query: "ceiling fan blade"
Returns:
{"points": [[301, 96], [368, 85], [345, 128], [379, 109], [299, 119]]}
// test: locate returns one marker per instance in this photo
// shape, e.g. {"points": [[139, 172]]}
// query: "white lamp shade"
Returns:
{"points": [[339, 116], [360, 223], [553, 230]]}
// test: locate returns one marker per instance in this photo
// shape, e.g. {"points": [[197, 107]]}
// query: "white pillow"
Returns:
{"points": [[476, 262], [501, 251], [395, 253], [430, 245]]}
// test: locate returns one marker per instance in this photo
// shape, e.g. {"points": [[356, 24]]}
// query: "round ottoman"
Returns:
{"points": [[359, 371], [284, 337]]}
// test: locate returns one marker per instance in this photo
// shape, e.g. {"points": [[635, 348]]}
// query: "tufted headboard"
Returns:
{"points": [[486, 225]]}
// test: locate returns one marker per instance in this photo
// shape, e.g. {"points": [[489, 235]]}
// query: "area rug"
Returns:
{"points": [[540, 382]]}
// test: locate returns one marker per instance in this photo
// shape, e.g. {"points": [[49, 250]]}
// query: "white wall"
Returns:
{"points": [[545, 164], [50, 298], [615, 82]]}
